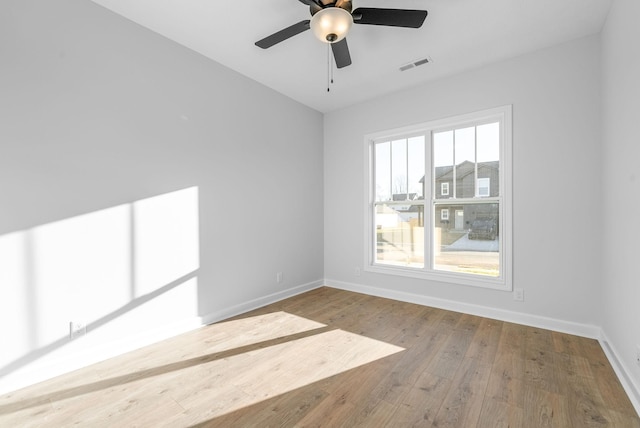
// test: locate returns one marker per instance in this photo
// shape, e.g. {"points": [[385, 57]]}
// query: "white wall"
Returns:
{"points": [[621, 184], [142, 186], [555, 95]]}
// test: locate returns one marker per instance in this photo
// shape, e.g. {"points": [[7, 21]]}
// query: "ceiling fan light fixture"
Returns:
{"points": [[330, 25]]}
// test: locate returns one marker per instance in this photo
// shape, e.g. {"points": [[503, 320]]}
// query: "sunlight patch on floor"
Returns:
{"points": [[249, 378], [199, 375]]}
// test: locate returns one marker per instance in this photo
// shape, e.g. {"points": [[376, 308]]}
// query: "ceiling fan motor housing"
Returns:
{"points": [[342, 4]]}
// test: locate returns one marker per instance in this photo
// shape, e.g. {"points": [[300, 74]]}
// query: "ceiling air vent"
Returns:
{"points": [[416, 63]]}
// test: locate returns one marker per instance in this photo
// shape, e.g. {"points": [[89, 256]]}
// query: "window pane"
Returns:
{"points": [[465, 158], [469, 241], [489, 156], [399, 169], [415, 163], [443, 163], [489, 142], [400, 235], [383, 171]]}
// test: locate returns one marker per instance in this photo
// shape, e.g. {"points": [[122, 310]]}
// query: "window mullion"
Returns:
{"points": [[475, 161], [454, 172], [427, 209], [406, 162], [390, 171]]}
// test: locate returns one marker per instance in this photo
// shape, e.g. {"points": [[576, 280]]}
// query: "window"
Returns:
{"points": [[418, 176], [483, 187]]}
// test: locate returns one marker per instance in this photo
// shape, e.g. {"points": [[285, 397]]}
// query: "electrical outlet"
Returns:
{"points": [[357, 271], [279, 277], [518, 294], [638, 355], [77, 329]]}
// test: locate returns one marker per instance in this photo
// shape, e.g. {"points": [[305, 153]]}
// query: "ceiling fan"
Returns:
{"points": [[331, 20]]}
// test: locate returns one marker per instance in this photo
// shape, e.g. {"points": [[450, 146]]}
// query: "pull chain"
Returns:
{"points": [[329, 67]]}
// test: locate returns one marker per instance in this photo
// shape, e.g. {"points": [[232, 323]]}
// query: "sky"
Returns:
{"points": [[403, 160]]}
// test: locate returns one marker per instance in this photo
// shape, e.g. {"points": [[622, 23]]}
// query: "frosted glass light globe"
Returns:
{"points": [[331, 25]]}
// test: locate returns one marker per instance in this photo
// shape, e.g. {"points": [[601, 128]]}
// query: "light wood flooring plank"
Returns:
{"points": [[418, 407], [506, 382], [463, 404], [498, 414]]}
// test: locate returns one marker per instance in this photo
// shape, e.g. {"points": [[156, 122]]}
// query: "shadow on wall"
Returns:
{"points": [[120, 271]]}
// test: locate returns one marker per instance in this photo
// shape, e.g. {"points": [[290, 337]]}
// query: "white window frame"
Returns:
{"points": [[504, 280], [444, 214], [488, 187], [444, 189]]}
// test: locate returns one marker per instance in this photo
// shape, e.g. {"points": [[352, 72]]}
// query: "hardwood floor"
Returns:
{"points": [[331, 358]]}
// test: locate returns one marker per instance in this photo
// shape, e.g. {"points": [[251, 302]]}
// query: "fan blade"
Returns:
{"points": [[389, 17], [283, 35], [312, 3], [341, 53]]}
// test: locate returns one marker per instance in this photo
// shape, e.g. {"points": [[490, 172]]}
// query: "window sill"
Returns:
{"points": [[497, 283]]}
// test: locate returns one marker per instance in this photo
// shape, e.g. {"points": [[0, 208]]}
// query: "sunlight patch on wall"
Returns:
{"points": [[165, 239], [80, 269], [14, 296], [119, 271]]}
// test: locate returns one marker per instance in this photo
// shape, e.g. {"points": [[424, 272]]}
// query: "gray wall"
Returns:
{"points": [[621, 183], [556, 144], [97, 114]]}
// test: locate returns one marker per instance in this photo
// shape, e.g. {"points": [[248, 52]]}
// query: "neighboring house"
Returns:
{"points": [[410, 213], [460, 216], [466, 186]]}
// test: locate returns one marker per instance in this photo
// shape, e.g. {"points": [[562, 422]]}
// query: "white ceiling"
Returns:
{"points": [[457, 35]]}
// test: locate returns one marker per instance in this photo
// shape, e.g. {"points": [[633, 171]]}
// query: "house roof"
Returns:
{"points": [[463, 169]]}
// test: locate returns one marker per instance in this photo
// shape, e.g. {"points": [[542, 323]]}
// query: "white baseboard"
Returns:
{"points": [[628, 382], [39, 372], [260, 302], [584, 330]]}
